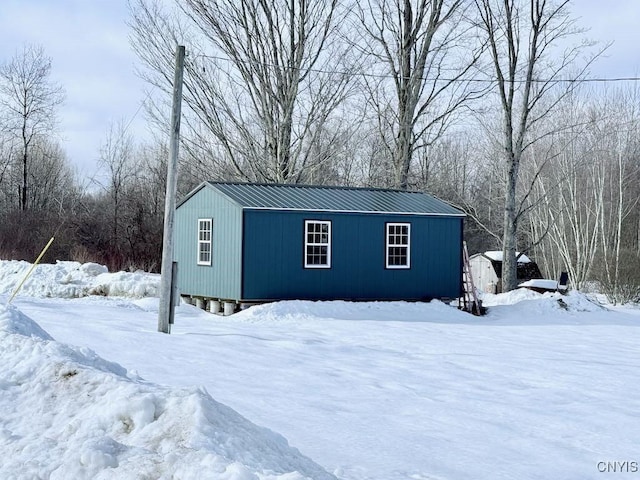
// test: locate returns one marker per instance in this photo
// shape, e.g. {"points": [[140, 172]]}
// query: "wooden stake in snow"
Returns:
{"points": [[44, 250]]}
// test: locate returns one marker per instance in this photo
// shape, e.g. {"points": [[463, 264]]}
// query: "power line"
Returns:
{"points": [[142, 103], [427, 79]]}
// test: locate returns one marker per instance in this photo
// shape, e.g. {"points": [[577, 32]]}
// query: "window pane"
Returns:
{"points": [[317, 243], [317, 255], [204, 241], [398, 244]]}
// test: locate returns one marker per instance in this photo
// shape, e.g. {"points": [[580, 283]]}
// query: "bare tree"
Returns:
{"points": [[29, 99], [588, 211], [52, 181], [619, 158], [117, 156], [260, 81], [7, 152], [521, 36], [567, 217], [424, 48]]}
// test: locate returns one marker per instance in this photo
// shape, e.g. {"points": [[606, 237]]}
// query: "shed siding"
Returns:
{"points": [[223, 278], [273, 265], [484, 276]]}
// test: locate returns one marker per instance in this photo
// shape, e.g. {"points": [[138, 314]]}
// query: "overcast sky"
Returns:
{"points": [[91, 58], [88, 43]]}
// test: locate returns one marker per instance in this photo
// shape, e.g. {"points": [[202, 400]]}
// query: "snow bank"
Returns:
{"points": [[305, 310], [67, 413], [74, 280], [524, 306], [574, 300], [509, 298], [511, 304]]}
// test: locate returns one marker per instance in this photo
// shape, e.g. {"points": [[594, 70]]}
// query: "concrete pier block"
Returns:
{"points": [[215, 306], [229, 308]]}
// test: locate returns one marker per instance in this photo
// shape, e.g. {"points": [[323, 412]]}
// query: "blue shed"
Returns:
{"points": [[245, 242]]}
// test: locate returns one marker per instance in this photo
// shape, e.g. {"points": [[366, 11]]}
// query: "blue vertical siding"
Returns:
{"points": [[222, 279], [273, 261]]}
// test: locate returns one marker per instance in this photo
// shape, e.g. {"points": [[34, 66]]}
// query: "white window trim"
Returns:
{"points": [[387, 245], [205, 242], [307, 244]]}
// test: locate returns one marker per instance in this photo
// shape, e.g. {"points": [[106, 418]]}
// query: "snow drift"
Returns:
{"points": [[75, 280], [67, 413]]}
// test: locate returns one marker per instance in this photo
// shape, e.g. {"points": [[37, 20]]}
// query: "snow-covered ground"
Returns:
{"points": [[544, 386]]}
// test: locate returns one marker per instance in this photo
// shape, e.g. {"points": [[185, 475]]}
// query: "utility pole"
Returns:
{"points": [[165, 311]]}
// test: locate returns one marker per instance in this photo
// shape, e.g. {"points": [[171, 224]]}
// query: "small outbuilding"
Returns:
{"points": [[486, 269], [245, 243]]}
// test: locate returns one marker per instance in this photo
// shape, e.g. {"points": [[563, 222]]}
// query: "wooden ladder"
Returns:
{"points": [[470, 300]]}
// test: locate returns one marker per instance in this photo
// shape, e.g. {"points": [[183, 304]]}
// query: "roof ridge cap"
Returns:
{"points": [[306, 185]]}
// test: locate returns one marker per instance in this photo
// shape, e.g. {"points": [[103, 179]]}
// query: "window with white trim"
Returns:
{"points": [[317, 244], [398, 245], [205, 226]]}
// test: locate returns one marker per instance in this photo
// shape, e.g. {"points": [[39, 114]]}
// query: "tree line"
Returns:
{"points": [[117, 223], [484, 103]]}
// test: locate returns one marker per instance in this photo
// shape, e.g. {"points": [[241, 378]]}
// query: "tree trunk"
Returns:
{"points": [[412, 40], [25, 163], [23, 190], [402, 160], [509, 261]]}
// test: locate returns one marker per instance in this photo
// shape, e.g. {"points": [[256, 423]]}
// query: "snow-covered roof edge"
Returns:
{"points": [[496, 256]]}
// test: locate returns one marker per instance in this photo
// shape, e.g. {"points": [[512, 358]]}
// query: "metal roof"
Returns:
{"points": [[257, 196]]}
